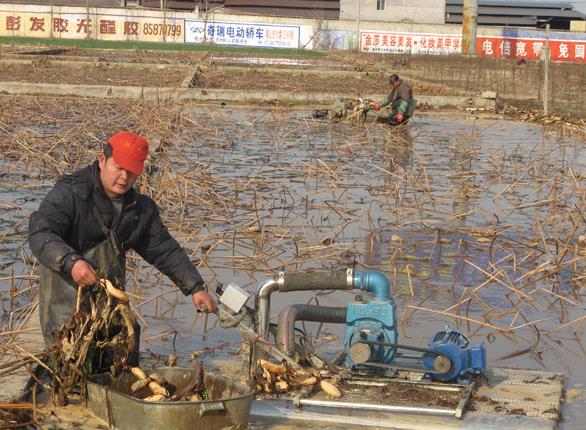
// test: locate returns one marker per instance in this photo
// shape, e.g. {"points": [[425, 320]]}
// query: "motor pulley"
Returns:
{"points": [[465, 359]]}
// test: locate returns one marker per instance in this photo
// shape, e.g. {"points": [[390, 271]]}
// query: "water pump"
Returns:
{"points": [[370, 324], [371, 338]]}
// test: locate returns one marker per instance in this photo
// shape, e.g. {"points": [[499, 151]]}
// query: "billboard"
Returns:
{"points": [[242, 33], [516, 44], [91, 25]]}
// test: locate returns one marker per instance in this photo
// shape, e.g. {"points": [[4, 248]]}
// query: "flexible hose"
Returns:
{"points": [[291, 314]]}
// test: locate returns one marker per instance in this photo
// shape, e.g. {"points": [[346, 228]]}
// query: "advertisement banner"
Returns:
{"points": [[414, 43], [242, 34], [91, 25], [519, 46], [531, 49]]}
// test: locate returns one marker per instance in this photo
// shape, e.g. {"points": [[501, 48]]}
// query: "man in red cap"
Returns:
{"points": [[89, 220]]}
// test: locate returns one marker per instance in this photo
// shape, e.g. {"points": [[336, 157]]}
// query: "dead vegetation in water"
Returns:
{"points": [[484, 236], [18, 415]]}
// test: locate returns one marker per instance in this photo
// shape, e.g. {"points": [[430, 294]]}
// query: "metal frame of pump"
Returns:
{"points": [[370, 340]]}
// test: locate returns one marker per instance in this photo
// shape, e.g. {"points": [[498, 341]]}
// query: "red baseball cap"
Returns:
{"points": [[129, 151]]}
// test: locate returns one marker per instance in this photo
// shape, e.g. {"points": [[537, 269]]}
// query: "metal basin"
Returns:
{"points": [[228, 408]]}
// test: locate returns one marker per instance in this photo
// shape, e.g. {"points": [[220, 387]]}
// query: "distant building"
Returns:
{"points": [[560, 15], [419, 12], [325, 9], [517, 13]]}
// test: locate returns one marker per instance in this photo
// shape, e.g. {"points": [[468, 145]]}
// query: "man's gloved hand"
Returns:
{"points": [[83, 273], [400, 117], [377, 106], [203, 301]]}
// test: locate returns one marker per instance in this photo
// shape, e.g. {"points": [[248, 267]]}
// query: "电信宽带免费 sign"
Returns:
{"points": [[242, 34]]}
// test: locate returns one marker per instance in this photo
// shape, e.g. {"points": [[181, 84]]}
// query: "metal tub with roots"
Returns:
{"points": [[228, 406]]}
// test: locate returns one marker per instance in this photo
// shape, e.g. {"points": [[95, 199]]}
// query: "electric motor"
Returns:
{"points": [[460, 360]]}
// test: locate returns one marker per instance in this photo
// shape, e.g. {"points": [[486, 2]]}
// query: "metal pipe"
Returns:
{"points": [[249, 334], [374, 407], [291, 314], [263, 306], [374, 282], [335, 280], [371, 281]]}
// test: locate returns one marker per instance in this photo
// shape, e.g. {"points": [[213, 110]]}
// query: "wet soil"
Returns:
{"points": [[94, 74], [214, 77], [102, 55], [262, 72], [352, 85]]}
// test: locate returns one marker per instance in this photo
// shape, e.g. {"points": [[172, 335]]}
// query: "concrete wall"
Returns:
{"points": [[256, 31], [578, 25], [409, 11]]}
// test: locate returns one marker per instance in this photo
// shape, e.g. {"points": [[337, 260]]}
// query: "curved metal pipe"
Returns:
{"points": [[374, 282], [263, 306], [291, 314], [371, 281]]}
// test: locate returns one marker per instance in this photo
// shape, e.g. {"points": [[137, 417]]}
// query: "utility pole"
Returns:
{"points": [[358, 24], [469, 27], [546, 72]]}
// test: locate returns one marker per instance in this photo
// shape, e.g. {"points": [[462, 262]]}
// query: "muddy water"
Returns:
{"points": [[421, 205]]}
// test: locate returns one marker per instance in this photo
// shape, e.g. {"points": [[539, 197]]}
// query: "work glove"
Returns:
{"points": [[377, 106], [400, 117]]}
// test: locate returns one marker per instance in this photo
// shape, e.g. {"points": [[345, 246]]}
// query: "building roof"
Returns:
{"points": [[529, 4], [517, 13], [325, 9]]}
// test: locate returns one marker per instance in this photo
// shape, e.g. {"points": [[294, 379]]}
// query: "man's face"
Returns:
{"points": [[115, 180]]}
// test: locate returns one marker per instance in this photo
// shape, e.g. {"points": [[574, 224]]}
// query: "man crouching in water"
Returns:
{"points": [[400, 99]]}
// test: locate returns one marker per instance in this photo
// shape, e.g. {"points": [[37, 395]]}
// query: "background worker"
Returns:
{"points": [[88, 221], [401, 100]]}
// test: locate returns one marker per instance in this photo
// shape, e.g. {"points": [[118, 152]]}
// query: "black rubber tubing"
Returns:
{"points": [[291, 314], [316, 281]]}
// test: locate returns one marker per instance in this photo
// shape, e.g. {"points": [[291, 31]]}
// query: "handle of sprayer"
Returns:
{"points": [[334, 280]]}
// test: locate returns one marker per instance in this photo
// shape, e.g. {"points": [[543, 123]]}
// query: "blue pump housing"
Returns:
{"points": [[373, 320], [467, 359]]}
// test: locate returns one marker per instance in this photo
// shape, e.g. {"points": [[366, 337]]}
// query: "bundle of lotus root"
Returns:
{"points": [[274, 378], [159, 390]]}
